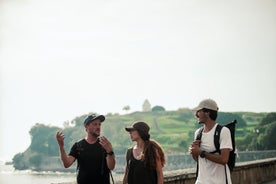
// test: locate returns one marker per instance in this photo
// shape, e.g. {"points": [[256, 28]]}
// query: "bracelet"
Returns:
{"points": [[110, 153]]}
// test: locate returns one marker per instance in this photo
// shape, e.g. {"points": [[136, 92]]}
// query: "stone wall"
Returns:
{"points": [[253, 172]]}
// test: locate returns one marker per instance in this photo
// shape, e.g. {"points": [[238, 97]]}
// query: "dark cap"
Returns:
{"points": [[142, 128], [93, 117]]}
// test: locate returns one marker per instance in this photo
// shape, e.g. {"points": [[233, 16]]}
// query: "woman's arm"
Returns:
{"points": [[127, 167], [125, 176], [159, 169]]}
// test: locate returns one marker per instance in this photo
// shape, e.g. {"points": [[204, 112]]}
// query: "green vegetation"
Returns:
{"points": [[174, 130], [158, 108]]}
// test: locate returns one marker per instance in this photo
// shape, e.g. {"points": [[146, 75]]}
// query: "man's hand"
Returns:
{"points": [[105, 144], [108, 148], [194, 149], [60, 139]]}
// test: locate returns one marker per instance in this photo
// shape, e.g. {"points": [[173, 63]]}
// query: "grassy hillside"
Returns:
{"points": [[174, 130]]}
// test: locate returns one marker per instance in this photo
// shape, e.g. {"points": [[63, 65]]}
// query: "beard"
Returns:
{"points": [[94, 134]]}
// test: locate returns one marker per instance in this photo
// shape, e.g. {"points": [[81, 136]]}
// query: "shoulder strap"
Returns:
{"points": [[79, 149], [128, 156], [217, 137], [199, 135]]}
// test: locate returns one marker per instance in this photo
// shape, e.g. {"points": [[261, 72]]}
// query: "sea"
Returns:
{"points": [[10, 176]]}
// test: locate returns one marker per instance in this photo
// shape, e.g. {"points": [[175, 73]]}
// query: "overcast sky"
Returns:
{"points": [[60, 59]]}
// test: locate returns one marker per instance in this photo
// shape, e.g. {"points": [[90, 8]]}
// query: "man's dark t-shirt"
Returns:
{"points": [[92, 166]]}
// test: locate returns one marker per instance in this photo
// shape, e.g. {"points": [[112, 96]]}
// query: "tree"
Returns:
{"points": [[185, 114], [271, 117], [146, 106], [43, 139], [126, 108], [266, 140], [225, 118], [262, 137], [35, 160], [66, 124], [158, 108], [19, 162]]}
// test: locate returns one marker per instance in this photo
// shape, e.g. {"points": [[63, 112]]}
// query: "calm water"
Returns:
{"points": [[9, 176]]}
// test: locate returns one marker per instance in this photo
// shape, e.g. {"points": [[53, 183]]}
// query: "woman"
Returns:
{"points": [[145, 160]]}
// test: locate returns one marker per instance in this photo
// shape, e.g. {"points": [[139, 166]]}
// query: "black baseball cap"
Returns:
{"points": [[93, 117], [142, 128]]}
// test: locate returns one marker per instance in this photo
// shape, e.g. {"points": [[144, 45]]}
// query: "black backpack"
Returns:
{"points": [[232, 156]]}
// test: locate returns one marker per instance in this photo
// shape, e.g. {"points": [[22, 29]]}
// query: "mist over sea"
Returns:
{"points": [[9, 176]]}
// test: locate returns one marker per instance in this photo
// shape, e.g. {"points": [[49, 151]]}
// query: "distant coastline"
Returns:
{"points": [[9, 163]]}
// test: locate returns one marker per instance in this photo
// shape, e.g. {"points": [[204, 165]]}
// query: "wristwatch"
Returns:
{"points": [[110, 153], [202, 154]]}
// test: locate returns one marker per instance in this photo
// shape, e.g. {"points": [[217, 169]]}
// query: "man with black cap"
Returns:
{"points": [[212, 165], [94, 154]]}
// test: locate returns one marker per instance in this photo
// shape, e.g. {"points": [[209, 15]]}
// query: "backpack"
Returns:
{"points": [[232, 155]]}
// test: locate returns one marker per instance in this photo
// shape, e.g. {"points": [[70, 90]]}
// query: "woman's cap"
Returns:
{"points": [[142, 128], [139, 126]]}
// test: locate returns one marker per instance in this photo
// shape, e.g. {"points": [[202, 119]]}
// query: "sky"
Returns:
{"points": [[60, 59]]}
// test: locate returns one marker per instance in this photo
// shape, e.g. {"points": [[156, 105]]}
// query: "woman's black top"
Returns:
{"points": [[140, 174]]}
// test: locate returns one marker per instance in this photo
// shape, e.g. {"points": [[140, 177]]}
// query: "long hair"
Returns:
{"points": [[152, 151]]}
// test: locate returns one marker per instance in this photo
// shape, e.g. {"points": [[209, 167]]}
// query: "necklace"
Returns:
{"points": [[138, 153]]}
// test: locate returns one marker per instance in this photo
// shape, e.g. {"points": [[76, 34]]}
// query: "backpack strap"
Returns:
{"points": [[217, 145], [79, 149], [199, 134], [198, 137], [216, 138]]}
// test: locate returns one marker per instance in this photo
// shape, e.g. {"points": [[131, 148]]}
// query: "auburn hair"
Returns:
{"points": [[152, 152]]}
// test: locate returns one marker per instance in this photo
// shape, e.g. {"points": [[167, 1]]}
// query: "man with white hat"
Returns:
{"points": [[212, 165]]}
